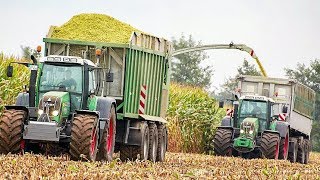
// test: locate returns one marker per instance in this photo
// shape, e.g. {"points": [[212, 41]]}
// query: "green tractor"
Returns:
{"points": [[61, 112], [253, 130]]}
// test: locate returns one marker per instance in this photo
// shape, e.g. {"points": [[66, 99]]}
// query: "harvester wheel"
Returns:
{"points": [[133, 152], [301, 151], [108, 139], [11, 128], [223, 142], [292, 156], [84, 137], [284, 147], [162, 142], [153, 142], [270, 145]]}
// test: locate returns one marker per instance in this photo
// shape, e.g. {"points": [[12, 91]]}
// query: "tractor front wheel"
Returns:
{"points": [[223, 142], [11, 128], [84, 137], [270, 145]]}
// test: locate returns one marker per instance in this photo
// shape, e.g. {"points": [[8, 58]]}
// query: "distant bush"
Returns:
{"points": [[193, 117]]}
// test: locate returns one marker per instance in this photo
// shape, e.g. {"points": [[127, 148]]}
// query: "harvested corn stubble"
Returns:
{"points": [[95, 28]]}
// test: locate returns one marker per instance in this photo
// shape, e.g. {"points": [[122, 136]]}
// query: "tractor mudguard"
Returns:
{"points": [[226, 121], [23, 99], [282, 128], [270, 131]]}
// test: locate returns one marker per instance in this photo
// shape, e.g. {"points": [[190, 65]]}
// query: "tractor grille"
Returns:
{"points": [[50, 103]]}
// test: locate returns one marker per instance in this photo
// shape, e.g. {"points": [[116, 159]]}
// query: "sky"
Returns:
{"points": [[282, 33]]}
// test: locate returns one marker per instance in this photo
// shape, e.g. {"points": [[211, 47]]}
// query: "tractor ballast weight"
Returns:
{"points": [[118, 102]]}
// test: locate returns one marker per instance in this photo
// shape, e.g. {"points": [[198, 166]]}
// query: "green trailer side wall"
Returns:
{"points": [[144, 68]]}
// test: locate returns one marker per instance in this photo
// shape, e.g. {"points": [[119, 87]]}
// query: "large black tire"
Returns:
{"points": [[284, 147], [11, 128], [162, 142], [84, 137], [106, 148], [129, 152], [301, 151], [223, 142], [137, 152], [292, 156], [153, 142], [307, 151], [270, 145]]}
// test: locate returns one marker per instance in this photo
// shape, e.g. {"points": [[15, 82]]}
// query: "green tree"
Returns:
{"points": [[186, 67], [310, 76], [231, 84], [27, 51]]}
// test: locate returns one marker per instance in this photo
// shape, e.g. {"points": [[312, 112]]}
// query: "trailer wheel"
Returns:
{"points": [[301, 151], [292, 156], [153, 142], [270, 145], [84, 137], [162, 142], [307, 151], [137, 152], [11, 128], [284, 147], [108, 138]]}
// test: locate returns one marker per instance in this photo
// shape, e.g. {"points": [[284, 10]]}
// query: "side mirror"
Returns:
{"points": [[221, 103], [284, 109], [9, 71], [109, 77]]}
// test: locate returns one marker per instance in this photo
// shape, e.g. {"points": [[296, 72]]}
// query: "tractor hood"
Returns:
{"points": [[248, 131], [53, 106]]}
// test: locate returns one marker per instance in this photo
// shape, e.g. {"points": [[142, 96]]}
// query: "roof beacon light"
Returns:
{"points": [[38, 49]]}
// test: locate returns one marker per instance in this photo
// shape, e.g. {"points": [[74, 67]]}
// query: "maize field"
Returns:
{"points": [[10, 87], [193, 117], [176, 166], [94, 28]]}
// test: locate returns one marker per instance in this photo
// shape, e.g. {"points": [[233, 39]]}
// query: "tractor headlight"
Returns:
{"points": [[241, 131], [250, 132], [55, 113], [40, 111]]}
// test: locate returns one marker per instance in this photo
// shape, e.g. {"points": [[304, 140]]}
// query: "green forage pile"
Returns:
{"points": [[95, 28]]}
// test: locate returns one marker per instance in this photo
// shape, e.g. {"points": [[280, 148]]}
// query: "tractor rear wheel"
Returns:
{"points": [[84, 137], [223, 142], [270, 145], [162, 142], [108, 139], [153, 142], [284, 147], [11, 128], [301, 151], [132, 152]]}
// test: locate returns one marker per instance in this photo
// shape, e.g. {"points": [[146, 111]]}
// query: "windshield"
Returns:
{"points": [[255, 109], [55, 77]]}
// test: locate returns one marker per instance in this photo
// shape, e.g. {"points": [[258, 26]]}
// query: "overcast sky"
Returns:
{"points": [[282, 33]]}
